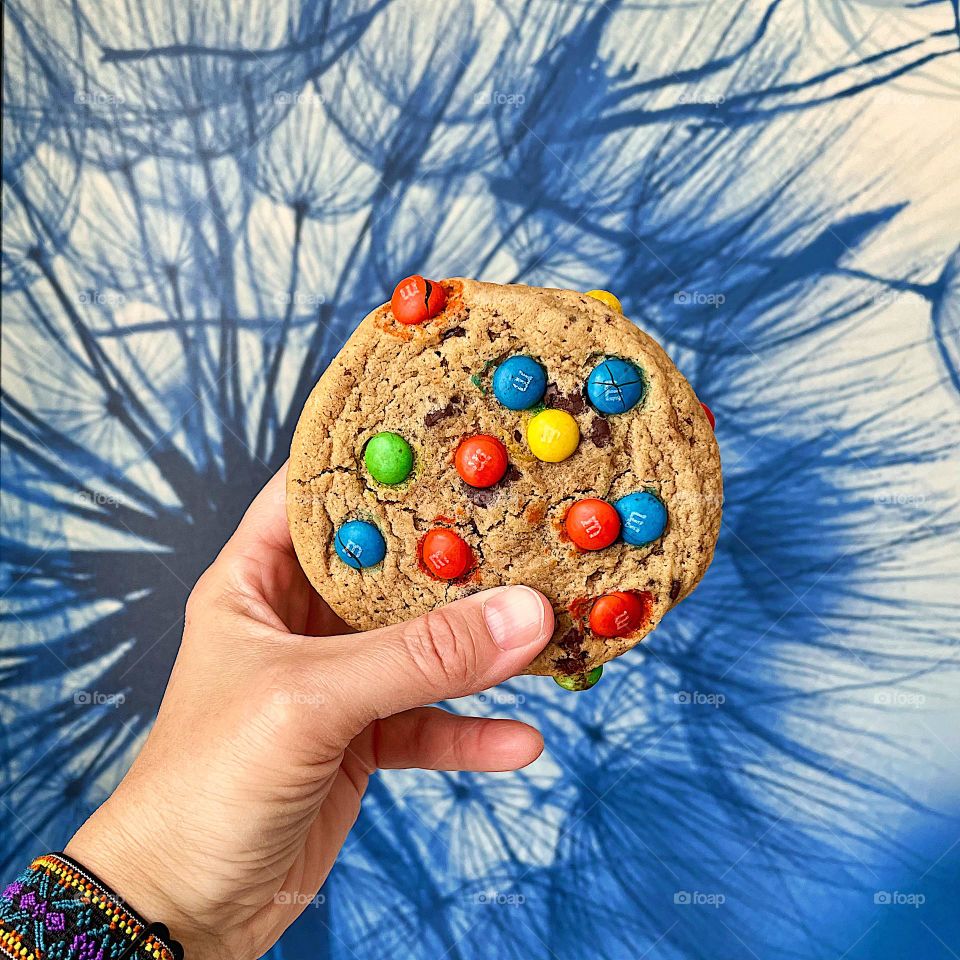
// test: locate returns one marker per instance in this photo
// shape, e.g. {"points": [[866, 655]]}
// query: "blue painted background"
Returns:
{"points": [[201, 200]]}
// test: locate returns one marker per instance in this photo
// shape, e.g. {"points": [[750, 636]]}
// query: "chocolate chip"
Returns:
{"points": [[453, 332], [481, 498], [511, 474], [570, 665], [432, 418], [571, 641], [518, 436], [485, 496], [600, 432], [675, 589], [572, 402]]}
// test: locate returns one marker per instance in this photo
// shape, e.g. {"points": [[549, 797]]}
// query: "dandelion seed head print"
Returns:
{"points": [[201, 201]]}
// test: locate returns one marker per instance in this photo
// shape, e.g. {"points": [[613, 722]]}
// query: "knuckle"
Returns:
{"points": [[200, 596], [222, 590], [441, 650], [298, 708]]}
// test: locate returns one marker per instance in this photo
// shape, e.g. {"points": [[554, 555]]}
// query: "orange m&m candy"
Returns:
{"points": [[592, 524], [445, 554], [618, 614], [481, 460], [416, 300]]}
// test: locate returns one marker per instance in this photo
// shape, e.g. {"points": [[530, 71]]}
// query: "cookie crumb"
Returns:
{"points": [[535, 513]]}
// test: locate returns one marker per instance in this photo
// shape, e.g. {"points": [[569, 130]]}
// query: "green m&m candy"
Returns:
{"points": [[580, 681], [389, 458]]}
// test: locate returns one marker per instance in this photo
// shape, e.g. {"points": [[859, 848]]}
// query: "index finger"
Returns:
{"points": [[264, 525]]}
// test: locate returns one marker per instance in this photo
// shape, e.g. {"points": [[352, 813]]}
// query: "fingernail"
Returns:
{"points": [[514, 617]]}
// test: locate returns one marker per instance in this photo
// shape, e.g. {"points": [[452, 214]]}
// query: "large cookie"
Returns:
{"points": [[449, 403]]}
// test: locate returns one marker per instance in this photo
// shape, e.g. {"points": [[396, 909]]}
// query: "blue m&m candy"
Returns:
{"points": [[643, 517], [615, 386], [519, 383], [359, 544]]}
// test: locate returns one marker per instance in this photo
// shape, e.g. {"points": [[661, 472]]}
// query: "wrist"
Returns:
{"points": [[143, 876]]}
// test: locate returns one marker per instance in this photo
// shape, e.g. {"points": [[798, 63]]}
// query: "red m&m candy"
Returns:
{"points": [[592, 524], [445, 554], [710, 416], [618, 614], [415, 300], [481, 460]]}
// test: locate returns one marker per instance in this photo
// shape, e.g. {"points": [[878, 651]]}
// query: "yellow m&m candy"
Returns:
{"points": [[604, 296], [552, 435]]}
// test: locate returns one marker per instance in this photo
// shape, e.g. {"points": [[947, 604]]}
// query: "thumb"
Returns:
{"points": [[453, 651]]}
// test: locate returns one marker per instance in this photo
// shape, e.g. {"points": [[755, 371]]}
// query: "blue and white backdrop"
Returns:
{"points": [[201, 200]]}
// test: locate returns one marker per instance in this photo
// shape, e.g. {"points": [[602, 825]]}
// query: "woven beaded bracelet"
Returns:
{"points": [[58, 908]]}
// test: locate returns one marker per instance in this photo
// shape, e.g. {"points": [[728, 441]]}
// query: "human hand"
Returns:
{"points": [[233, 813]]}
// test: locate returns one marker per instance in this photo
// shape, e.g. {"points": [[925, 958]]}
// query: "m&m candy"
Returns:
{"points": [[481, 460], [604, 296], [388, 457], [519, 383], [592, 524], [580, 681], [445, 554], [359, 544], [643, 517], [617, 614], [615, 386], [416, 300], [552, 435], [710, 416]]}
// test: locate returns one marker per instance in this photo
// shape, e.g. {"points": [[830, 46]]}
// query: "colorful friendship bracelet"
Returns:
{"points": [[57, 910]]}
